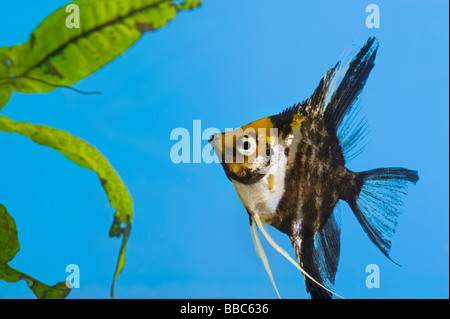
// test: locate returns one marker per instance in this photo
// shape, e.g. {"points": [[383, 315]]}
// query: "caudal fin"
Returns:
{"points": [[378, 204]]}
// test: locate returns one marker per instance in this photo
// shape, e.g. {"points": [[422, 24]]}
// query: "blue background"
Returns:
{"points": [[227, 63]]}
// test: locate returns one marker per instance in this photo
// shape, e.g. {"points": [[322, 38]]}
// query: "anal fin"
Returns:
{"points": [[305, 273], [319, 257]]}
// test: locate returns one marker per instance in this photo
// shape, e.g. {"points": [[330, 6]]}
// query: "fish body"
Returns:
{"points": [[289, 171]]}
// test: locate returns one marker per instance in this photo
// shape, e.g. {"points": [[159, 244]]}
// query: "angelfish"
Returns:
{"points": [[289, 172]]}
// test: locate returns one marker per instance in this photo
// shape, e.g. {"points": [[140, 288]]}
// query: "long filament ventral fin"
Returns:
{"points": [[286, 255], [262, 255]]}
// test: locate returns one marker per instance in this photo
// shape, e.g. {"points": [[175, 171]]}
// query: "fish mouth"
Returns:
{"points": [[216, 141]]}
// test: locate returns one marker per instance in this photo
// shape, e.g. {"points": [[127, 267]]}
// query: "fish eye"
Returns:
{"points": [[246, 145]]}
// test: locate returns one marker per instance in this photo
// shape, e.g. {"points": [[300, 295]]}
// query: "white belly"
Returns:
{"points": [[263, 196]]}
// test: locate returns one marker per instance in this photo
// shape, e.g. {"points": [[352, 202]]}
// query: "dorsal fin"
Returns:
{"points": [[337, 105], [294, 109], [316, 102], [350, 87]]}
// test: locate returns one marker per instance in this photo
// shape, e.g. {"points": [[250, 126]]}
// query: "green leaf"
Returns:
{"points": [[9, 246], [56, 55], [9, 240], [89, 157], [39, 289], [5, 93]]}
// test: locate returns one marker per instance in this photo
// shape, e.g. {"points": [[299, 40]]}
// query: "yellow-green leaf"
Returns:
{"points": [[89, 157], [56, 55], [39, 289], [5, 93], [9, 240], [9, 246]]}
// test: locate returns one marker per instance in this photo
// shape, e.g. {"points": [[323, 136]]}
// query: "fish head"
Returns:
{"points": [[255, 158], [246, 152]]}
